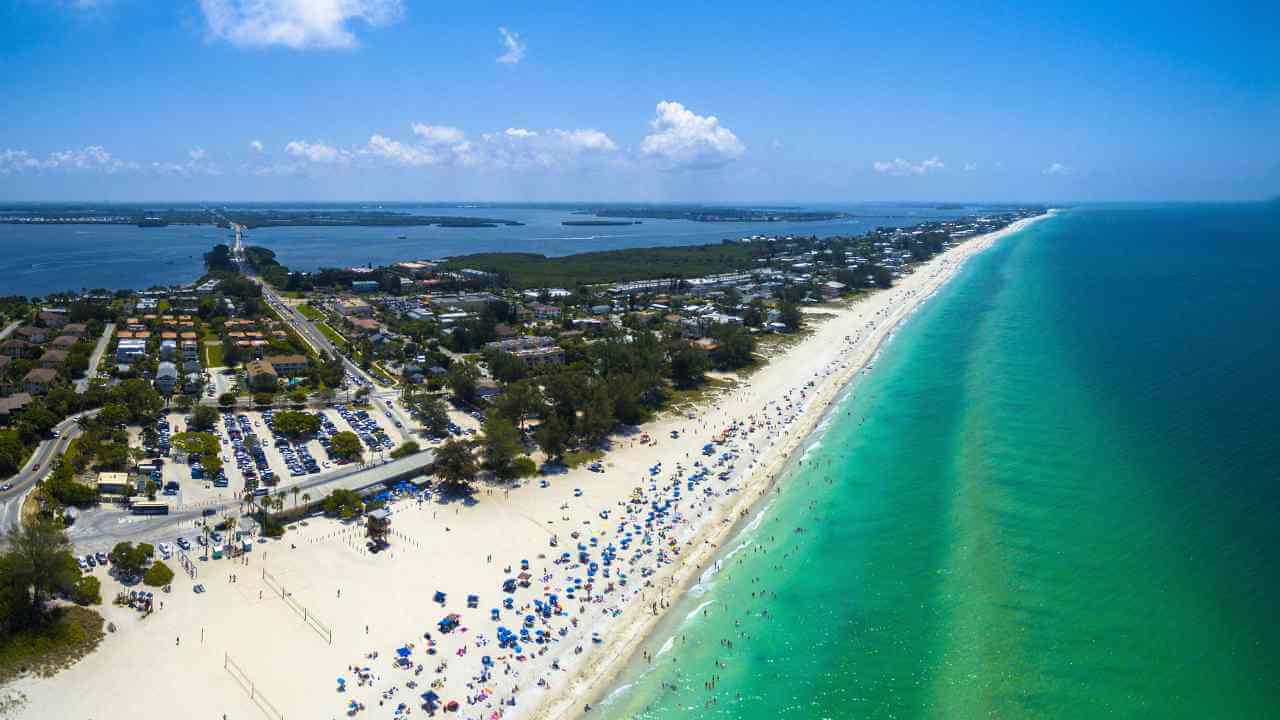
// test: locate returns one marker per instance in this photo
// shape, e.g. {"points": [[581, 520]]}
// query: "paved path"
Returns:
{"points": [[10, 328], [83, 383], [102, 528], [35, 469]]}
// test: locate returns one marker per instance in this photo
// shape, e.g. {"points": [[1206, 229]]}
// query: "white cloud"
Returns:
{"points": [[296, 24], [1056, 169], [256, 145], [682, 139], [196, 154], [899, 167], [90, 157], [520, 148], [439, 134], [398, 152], [515, 47], [316, 152], [970, 167]]}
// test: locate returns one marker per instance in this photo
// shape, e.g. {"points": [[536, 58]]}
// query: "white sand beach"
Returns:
{"points": [[650, 524]]}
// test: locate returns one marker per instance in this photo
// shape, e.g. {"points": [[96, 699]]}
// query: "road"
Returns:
{"points": [[102, 528], [83, 383], [35, 469], [9, 328]]}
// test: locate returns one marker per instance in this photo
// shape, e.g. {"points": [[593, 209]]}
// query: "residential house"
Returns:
{"points": [[52, 319], [64, 342], [39, 380], [52, 359], [130, 349], [78, 330], [32, 334], [831, 290], [287, 365], [13, 405], [542, 311], [166, 377], [261, 375], [16, 348], [365, 325]]}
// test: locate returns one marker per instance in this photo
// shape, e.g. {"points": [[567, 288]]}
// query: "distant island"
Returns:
{"points": [[598, 223], [143, 216], [716, 214]]}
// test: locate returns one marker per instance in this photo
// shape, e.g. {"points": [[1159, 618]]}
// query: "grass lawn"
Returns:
{"points": [[578, 457], [310, 312], [213, 355], [333, 335], [74, 633]]}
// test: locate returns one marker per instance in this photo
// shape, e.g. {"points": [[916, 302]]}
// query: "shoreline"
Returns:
{"points": [[596, 681], [373, 604]]}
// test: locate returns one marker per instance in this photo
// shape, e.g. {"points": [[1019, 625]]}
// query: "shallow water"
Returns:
{"points": [[1056, 495]]}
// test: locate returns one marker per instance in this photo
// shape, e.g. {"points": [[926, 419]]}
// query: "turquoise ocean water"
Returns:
{"points": [[1056, 495]]}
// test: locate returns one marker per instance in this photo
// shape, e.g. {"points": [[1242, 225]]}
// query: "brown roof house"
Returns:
{"points": [[39, 380], [53, 359]]}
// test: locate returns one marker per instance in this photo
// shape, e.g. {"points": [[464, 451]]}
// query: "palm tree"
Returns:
{"points": [[295, 492], [206, 531], [306, 498]]}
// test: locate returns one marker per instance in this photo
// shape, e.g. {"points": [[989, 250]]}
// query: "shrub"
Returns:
{"points": [[523, 467], [405, 450], [88, 591], [158, 575]]}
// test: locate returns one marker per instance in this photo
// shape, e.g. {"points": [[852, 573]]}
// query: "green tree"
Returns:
{"points": [[455, 464], [346, 445], [204, 418], [553, 436], [688, 364], [521, 401], [789, 315], [342, 501], [463, 378], [36, 564], [226, 399], [500, 445], [294, 425], [129, 559], [432, 411], [158, 575], [735, 347], [88, 591], [114, 415]]}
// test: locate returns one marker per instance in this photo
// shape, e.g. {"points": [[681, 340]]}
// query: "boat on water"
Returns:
{"points": [[402, 237]]}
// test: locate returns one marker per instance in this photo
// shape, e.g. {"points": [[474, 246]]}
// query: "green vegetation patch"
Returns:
{"points": [[526, 270], [74, 633]]}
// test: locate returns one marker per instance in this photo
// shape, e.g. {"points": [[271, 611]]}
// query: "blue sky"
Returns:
{"points": [[409, 100]]}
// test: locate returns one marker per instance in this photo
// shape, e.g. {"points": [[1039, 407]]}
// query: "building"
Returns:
{"points": [[168, 348], [190, 350], [52, 319], [470, 302], [831, 290], [352, 307], [12, 406], [287, 365], [130, 349], [166, 377], [378, 524], [261, 375], [365, 325], [114, 486], [39, 380], [542, 311], [32, 334], [364, 285], [65, 342], [533, 350], [53, 359]]}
